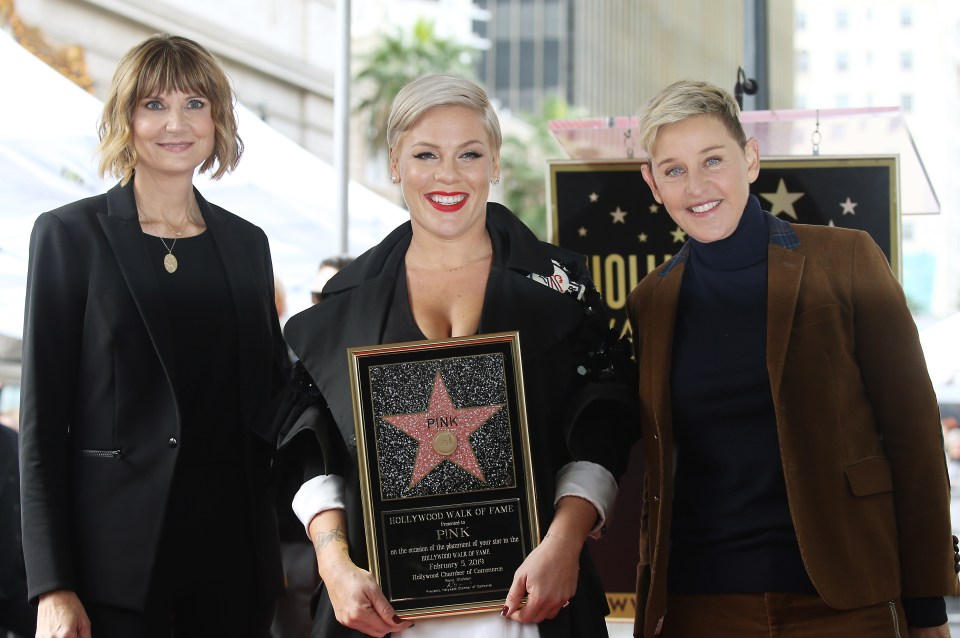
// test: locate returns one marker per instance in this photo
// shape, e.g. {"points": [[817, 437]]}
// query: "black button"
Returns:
{"points": [[173, 442]]}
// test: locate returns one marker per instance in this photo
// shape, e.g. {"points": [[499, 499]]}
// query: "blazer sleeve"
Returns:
{"points": [[53, 329], [601, 420], [309, 442], [905, 408]]}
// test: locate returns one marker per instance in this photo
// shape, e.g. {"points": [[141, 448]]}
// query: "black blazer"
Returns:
{"points": [[99, 417], [12, 579], [557, 334]]}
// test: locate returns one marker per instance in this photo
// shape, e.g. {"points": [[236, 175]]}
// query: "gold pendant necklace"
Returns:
{"points": [[169, 261]]}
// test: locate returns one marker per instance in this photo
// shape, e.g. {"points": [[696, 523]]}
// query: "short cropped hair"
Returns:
{"points": [[689, 98], [429, 91], [158, 64]]}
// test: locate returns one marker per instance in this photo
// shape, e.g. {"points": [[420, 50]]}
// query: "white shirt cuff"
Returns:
{"points": [[591, 482], [319, 494]]}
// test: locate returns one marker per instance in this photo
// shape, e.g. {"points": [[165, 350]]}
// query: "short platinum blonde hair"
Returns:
{"points": [[158, 64], [689, 98], [430, 91]]}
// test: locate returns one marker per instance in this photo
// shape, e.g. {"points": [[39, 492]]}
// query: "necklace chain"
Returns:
{"points": [[177, 230], [170, 262]]}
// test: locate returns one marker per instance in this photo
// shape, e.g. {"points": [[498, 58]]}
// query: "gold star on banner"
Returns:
{"points": [[782, 201], [619, 216], [582, 232], [594, 197], [678, 235], [654, 209], [642, 237], [442, 432], [848, 207]]}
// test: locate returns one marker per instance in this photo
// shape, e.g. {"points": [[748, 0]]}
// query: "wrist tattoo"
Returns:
{"points": [[325, 538]]}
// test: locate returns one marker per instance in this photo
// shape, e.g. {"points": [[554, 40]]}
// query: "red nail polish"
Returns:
{"points": [[503, 612], [397, 620]]}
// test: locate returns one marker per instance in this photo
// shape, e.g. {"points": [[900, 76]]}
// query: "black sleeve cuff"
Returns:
{"points": [[925, 612]]}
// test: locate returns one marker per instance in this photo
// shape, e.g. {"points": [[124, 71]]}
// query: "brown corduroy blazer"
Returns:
{"points": [[857, 420]]}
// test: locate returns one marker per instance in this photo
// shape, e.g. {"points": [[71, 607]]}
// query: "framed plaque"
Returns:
{"points": [[446, 477]]}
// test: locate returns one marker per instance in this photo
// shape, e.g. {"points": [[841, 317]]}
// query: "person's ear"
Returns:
{"points": [[751, 151], [647, 174], [394, 166]]}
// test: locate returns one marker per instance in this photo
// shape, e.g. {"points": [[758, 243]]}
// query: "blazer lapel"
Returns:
{"points": [[665, 298], [254, 364], [512, 300], [784, 270], [321, 335], [125, 237]]}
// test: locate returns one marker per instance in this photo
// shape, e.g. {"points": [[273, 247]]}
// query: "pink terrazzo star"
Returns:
{"points": [[443, 418]]}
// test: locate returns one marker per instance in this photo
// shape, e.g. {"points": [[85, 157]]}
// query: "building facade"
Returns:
{"points": [[906, 54], [610, 56], [280, 54]]}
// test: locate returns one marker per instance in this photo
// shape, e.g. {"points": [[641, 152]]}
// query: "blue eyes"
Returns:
{"points": [[711, 162], [157, 105]]}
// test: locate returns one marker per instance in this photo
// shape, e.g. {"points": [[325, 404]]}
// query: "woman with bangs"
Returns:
{"points": [[144, 454]]}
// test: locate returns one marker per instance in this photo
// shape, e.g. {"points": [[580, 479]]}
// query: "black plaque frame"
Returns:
{"points": [[445, 539]]}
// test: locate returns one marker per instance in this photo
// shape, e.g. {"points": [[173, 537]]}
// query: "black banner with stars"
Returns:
{"points": [[605, 211]]}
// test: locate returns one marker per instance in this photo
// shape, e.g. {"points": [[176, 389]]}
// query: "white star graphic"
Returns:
{"points": [[654, 209], [594, 197], [830, 223], [848, 207], [582, 232], [678, 235], [619, 216], [642, 237], [782, 201]]}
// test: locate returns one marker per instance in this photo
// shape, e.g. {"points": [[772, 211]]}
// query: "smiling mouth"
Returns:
{"points": [[176, 146], [704, 208], [447, 200], [447, 203]]}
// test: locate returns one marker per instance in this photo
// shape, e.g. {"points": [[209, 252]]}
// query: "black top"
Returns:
{"points": [[202, 316], [731, 527]]}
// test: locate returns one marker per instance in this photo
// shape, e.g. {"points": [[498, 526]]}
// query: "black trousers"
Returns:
{"points": [[204, 582]]}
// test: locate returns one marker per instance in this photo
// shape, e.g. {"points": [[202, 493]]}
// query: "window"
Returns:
{"points": [[803, 61], [527, 59], [906, 17], [906, 60], [842, 61], [502, 72], [843, 20], [551, 63], [906, 103]]}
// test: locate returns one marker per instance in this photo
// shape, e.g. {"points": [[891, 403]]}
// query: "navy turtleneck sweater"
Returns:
{"points": [[731, 526]]}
